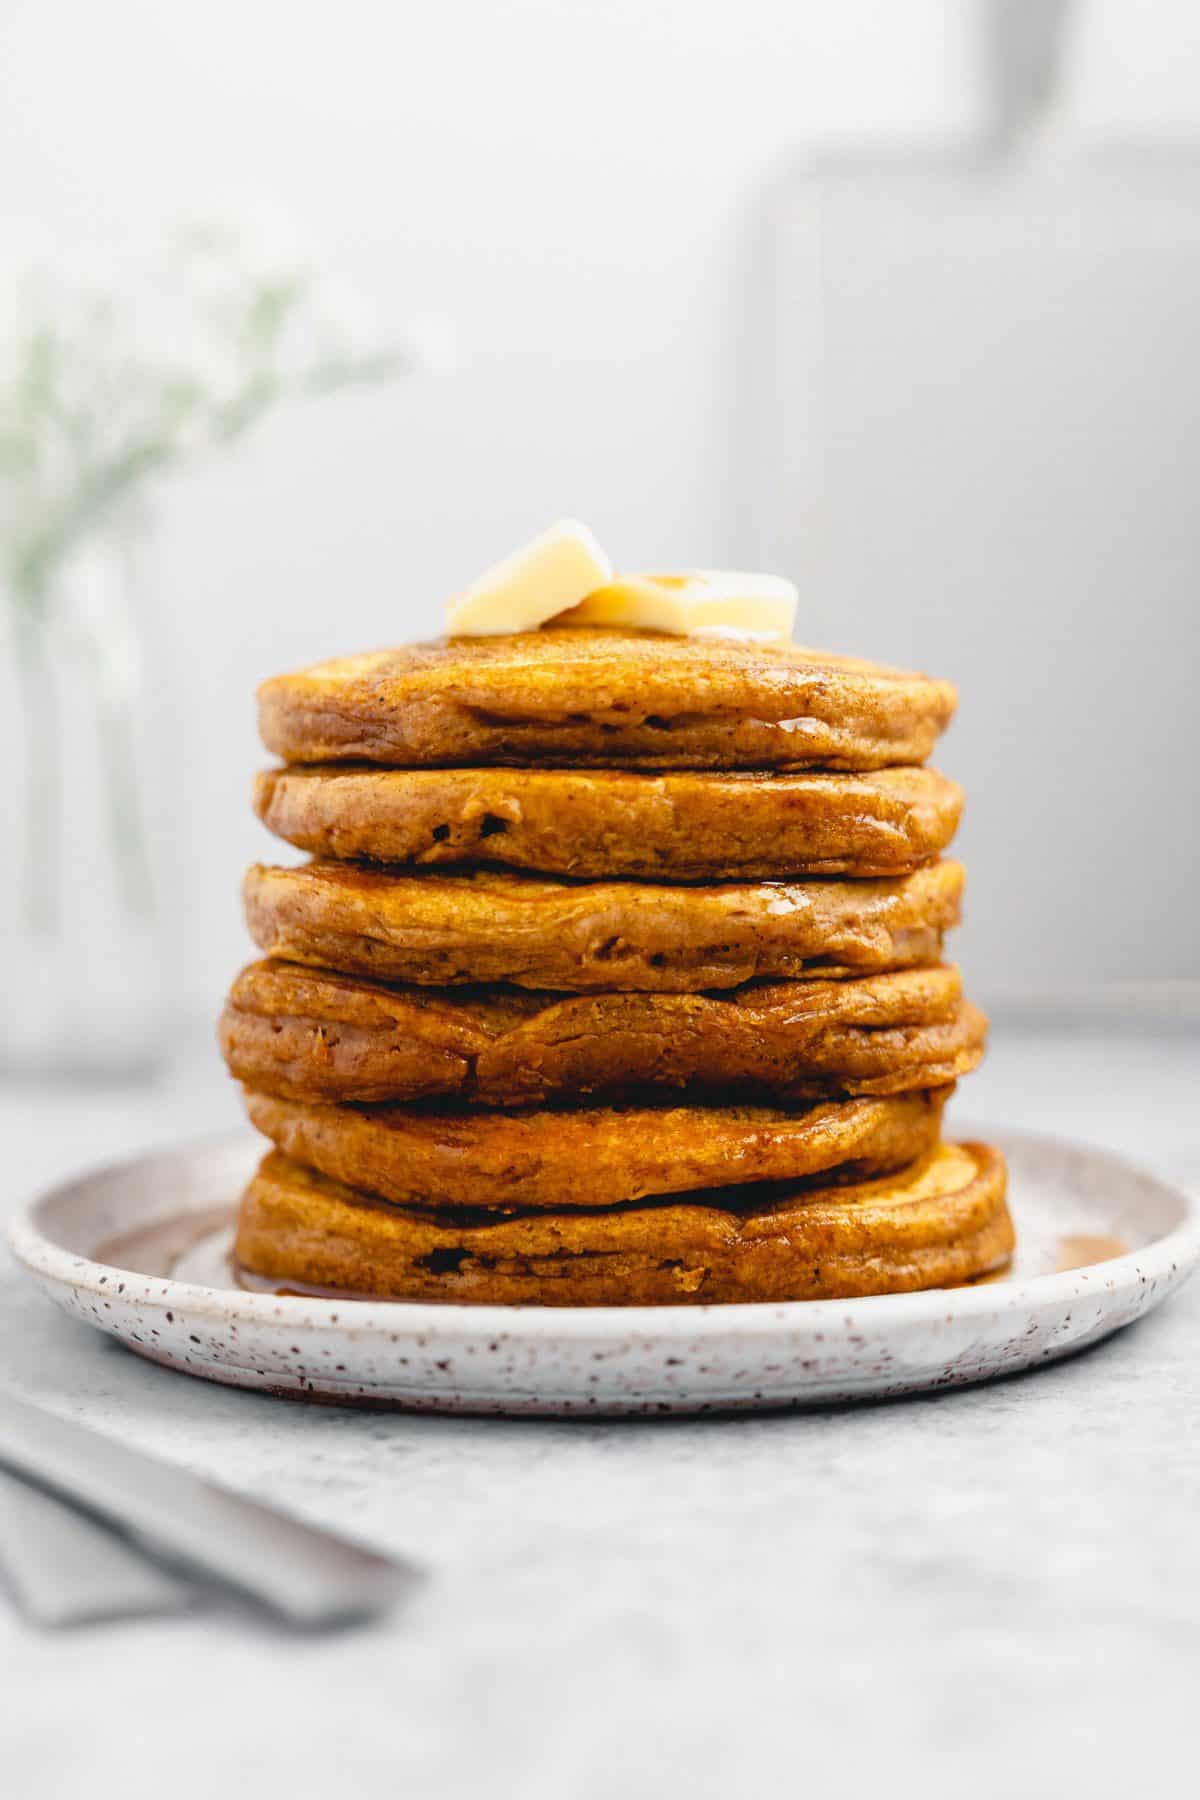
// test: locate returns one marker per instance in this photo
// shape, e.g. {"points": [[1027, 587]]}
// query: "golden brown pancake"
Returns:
{"points": [[576, 696], [490, 925], [938, 1222], [308, 1034], [592, 1156], [712, 826]]}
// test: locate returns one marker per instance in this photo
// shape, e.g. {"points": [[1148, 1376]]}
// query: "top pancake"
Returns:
{"points": [[585, 697]]}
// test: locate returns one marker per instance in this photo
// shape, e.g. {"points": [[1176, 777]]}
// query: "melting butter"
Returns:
{"points": [[546, 577], [726, 603], [564, 577]]}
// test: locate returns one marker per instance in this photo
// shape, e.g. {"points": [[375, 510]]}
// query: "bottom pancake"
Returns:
{"points": [[939, 1222]]}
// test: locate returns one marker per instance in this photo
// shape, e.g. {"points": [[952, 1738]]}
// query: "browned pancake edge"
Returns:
{"points": [[710, 826], [594, 1156], [578, 696], [492, 925], [941, 1221], [310, 1034]]}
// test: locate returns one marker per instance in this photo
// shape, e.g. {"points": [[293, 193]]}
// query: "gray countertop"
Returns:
{"points": [[988, 1591]]}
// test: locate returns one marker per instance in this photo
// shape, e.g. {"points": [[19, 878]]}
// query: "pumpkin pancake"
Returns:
{"points": [[308, 1034], [941, 1221], [592, 1156], [712, 826], [490, 925], [577, 696]]}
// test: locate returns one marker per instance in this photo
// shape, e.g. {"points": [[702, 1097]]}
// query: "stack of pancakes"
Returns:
{"points": [[616, 978]]}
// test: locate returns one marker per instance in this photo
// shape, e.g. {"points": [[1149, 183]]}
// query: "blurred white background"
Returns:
{"points": [[579, 189]]}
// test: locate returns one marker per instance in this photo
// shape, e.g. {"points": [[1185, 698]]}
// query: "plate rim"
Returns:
{"points": [[38, 1253]]}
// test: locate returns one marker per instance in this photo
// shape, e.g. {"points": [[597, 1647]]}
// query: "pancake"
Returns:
{"points": [[308, 1034], [490, 925], [712, 826], [592, 1156], [574, 696], [937, 1223]]}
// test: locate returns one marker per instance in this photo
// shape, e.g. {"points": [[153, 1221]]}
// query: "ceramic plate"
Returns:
{"points": [[141, 1251]]}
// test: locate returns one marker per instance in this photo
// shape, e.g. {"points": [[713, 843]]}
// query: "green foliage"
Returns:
{"points": [[95, 408]]}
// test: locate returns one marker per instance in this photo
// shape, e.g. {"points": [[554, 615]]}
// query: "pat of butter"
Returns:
{"points": [[532, 585], [694, 603]]}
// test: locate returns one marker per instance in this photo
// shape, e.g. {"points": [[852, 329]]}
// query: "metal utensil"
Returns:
{"points": [[64, 1568], [306, 1576]]}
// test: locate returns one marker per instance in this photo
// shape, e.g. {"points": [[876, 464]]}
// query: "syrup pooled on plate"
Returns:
{"points": [[157, 1249], [1081, 1248]]}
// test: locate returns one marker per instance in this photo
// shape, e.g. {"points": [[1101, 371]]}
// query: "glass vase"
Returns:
{"points": [[82, 947]]}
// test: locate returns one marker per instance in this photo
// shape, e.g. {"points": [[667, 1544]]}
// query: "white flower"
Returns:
{"points": [[429, 343], [339, 327], [114, 368], [251, 242]]}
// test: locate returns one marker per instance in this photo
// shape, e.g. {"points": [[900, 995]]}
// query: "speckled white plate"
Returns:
{"points": [[180, 1307]]}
